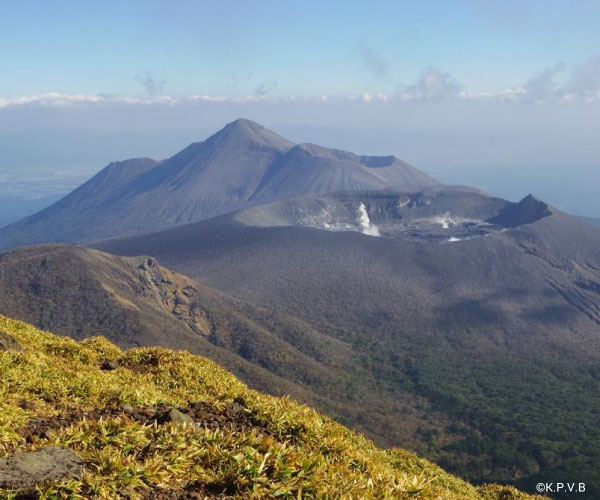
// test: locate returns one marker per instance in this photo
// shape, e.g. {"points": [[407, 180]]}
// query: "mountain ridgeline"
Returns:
{"points": [[243, 164], [134, 301]]}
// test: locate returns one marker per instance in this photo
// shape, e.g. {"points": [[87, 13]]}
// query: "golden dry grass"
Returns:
{"points": [[299, 453]]}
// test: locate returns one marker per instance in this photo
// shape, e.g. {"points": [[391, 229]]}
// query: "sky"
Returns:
{"points": [[446, 84], [239, 48]]}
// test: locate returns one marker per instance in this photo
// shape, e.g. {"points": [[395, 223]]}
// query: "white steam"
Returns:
{"points": [[364, 222], [445, 221]]}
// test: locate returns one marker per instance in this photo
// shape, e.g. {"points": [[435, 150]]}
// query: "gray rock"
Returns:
{"points": [[8, 343], [109, 365], [22, 472], [176, 416]]}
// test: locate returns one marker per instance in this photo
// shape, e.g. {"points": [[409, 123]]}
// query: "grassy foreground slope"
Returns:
{"points": [[244, 445]]}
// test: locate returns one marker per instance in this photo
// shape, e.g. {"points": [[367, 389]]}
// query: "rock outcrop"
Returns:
{"points": [[8, 343], [22, 472]]}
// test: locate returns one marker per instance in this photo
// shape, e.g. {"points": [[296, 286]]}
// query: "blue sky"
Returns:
{"points": [[281, 48]]}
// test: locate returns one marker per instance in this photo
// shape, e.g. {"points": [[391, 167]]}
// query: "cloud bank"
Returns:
{"points": [[557, 83]]}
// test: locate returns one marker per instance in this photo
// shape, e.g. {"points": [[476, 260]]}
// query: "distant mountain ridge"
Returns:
{"points": [[243, 164]]}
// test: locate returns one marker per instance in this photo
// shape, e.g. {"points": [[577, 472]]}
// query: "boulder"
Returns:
{"points": [[176, 416], [128, 409], [109, 365], [23, 471], [8, 343]]}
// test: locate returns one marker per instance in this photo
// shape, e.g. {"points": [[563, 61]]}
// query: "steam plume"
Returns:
{"points": [[445, 221], [365, 223]]}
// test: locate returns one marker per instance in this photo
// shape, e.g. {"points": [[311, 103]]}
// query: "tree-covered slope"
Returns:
{"points": [[135, 302]]}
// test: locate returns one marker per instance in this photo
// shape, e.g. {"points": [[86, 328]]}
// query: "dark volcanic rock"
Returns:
{"points": [[24, 471], [8, 343], [109, 365], [196, 490], [234, 417], [176, 416], [527, 211]]}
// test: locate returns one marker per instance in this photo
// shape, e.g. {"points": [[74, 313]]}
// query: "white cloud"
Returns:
{"points": [[55, 99], [510, 94], [433, 84], [50, 99], [581, 84], [208, 98], [584, 82], [370, 97], [542, 87]]}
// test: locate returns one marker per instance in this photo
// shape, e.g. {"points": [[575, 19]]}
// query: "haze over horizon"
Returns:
{"points": [[503, 96]]}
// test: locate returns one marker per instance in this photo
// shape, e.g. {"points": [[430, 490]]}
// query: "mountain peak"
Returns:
{"points": [[530, 198], [242, 164], [527, 211], [245, 123], [244, 131]]}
